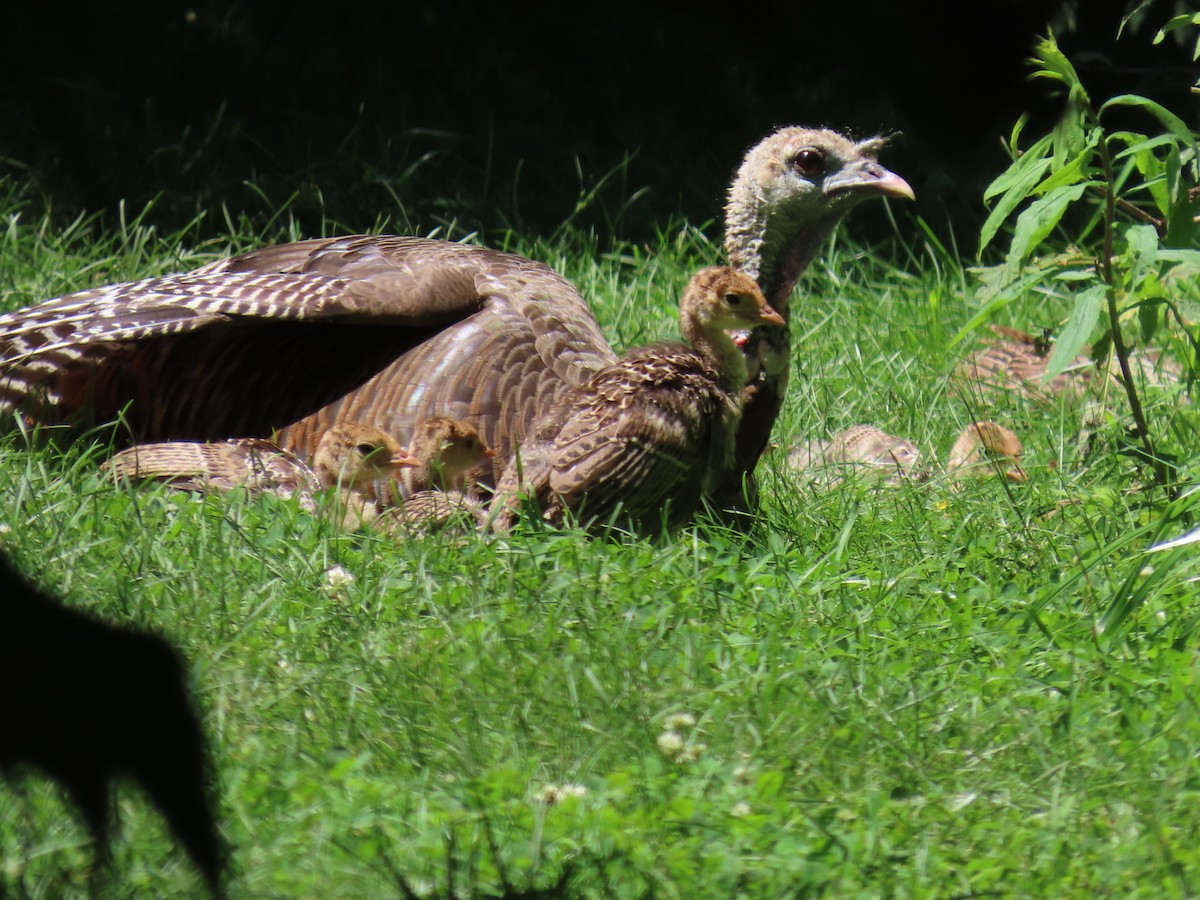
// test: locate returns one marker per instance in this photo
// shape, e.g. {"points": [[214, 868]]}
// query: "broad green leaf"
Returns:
{"points": [[1050, 62], [997, 292], [1142, 243], [1077, 168], [1071, 275], [1176, 22], [1140, 151], [1078, 329], [1181, 211], [1017, 183], [1148, 318], [1173, 123], [1068, 132], [1176, 255], [1145, 4], [1036, 222], [1136, 143], [1033, 156], [1015, 136]]}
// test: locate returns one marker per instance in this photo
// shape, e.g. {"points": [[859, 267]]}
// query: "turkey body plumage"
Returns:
{"points": [[286, 341], [290, 340], [652, 435]]}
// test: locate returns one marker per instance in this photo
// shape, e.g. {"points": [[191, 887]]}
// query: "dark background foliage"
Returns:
{"points": [[410, 115]]}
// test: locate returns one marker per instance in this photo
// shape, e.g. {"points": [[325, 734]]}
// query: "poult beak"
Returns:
{"points": [[768, 316], [1017, 474], [869, 177], [403, 460], [489, 452]]}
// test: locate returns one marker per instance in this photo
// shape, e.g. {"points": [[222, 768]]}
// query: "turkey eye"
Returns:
{"points": [[733, 299], [365, 449], [809, 162]]}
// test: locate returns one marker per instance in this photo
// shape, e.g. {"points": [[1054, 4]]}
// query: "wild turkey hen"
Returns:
{"points": [[295, 338], [653, 434], [349, 457]]}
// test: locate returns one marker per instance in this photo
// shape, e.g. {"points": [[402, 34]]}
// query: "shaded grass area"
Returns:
{"points": [[873, 692]]}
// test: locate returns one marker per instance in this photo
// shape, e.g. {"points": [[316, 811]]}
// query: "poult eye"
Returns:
{"points": [[733, 299], [366, 449], [809, 162]]}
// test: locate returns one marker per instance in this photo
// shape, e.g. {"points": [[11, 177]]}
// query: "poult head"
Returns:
{"points": [[985, 447], [450, 446], [722, 299], [874, 447], [355, 455]]}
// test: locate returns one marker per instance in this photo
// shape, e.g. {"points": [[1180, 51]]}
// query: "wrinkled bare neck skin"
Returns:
{"points": [[774, 249]]}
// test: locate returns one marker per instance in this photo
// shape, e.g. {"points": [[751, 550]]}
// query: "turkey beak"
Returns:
{"points": [[489, 452], [768, 316], [1017, 474], [403, 460], [868, 177]]}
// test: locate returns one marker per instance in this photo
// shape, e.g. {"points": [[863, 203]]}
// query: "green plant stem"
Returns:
{"points": [[1160, 225], [1114, 317], [1132, 209]]}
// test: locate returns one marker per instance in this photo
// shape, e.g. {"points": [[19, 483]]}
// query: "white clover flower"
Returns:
{"points": [[337, 576], [5, 528], [671, 743], [740, 810], [550, 794], [337, 579], [679, 722]]}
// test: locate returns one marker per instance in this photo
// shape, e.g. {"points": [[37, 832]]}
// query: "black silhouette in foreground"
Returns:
{"points": [[86, 702]]}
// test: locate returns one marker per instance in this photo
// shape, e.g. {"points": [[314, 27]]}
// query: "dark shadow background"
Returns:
{"points": [[410, 115]]}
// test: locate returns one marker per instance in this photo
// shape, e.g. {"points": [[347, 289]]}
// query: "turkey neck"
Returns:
{"points": [[426, 448], [716, 348], [774, 249]]}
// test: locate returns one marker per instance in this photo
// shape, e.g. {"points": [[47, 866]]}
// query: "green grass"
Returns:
{"points": [[875, 692]]}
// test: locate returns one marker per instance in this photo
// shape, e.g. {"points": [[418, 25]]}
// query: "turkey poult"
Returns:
{"points": [[1015, 361], [651, 436], [983, 449], [438, 490], [860, 448], [349, 457], [293, 339], [446, 450]]}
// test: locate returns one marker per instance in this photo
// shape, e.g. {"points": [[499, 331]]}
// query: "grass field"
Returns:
{"points": [[876, 692]]}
